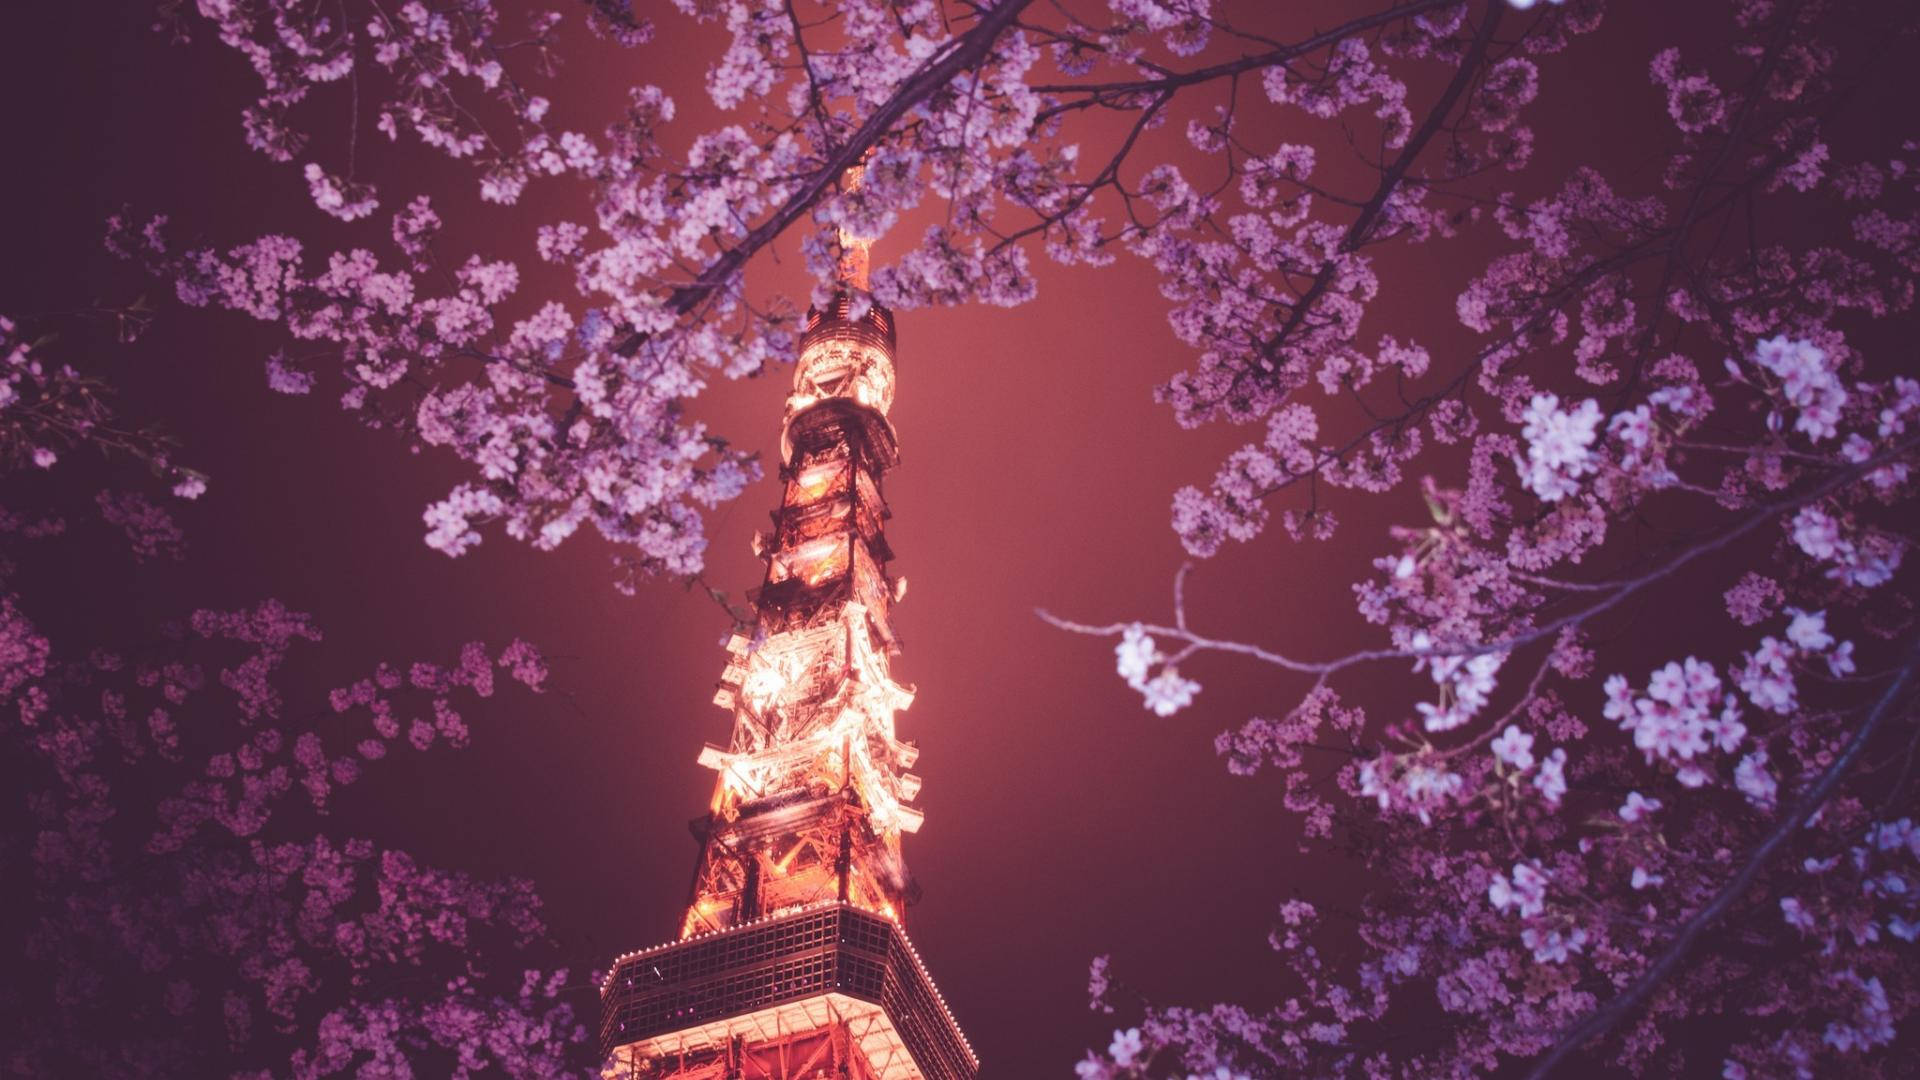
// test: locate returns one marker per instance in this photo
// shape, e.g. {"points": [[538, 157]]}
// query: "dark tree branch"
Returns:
{"points": [[1624, 1004], [1396, 172]]}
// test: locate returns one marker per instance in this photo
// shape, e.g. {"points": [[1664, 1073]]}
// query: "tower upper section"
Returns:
{"points": [[847, 351]]}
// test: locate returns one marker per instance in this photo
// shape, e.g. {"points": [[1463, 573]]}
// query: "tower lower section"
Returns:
{"points": [[830, 991]]}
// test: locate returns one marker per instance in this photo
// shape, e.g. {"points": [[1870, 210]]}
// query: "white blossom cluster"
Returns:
{"points": [[1525, 892], [1525, 895], [1513, 748], [1421, 785], [1872, 1021], [1635, 809], [1767, 676], [1886, 876], [1551, 946], [1808, 380], [1683, 712], [1559, 446], [1465, 683], [1686, 711], [340, 198], [1127, 1055], [1866, 559], [1563, 443], [1135, 657]]}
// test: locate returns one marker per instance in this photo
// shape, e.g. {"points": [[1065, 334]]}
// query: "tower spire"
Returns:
{"points": [[793, 960], [852, 270]]}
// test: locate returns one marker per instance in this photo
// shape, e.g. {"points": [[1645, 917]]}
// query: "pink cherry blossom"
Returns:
{"points": [[1623, 401], [1514, 748]]}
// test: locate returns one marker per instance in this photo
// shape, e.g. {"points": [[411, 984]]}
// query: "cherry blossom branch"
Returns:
{"points": [[969, 49], [1102, 93], [1623, 590], [1605, 1018], [1783, 33], [1664, 242], [1109, 174], [1160, 92], [1392, 176]]}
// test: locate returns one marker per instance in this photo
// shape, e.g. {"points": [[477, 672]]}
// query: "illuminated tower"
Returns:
{"points": [[793, 961]]}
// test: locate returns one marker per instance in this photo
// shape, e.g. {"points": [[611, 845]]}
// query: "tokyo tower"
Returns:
{"points": [[793, 959]]}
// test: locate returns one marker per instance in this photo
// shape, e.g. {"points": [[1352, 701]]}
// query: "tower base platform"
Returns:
{"points": [[826, 991]]}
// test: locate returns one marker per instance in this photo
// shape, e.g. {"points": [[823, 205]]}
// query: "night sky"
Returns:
{"points": [[1063, 820]]}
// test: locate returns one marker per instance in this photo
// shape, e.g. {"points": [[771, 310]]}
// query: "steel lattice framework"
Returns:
{"points": [[793, 959]]}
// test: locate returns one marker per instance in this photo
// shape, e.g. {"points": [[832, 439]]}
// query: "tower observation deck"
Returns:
{"points": [[793, 959]]}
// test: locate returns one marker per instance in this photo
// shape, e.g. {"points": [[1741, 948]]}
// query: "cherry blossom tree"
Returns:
{"points": [[1583, 858], [1655, 383], [175, 908]]}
